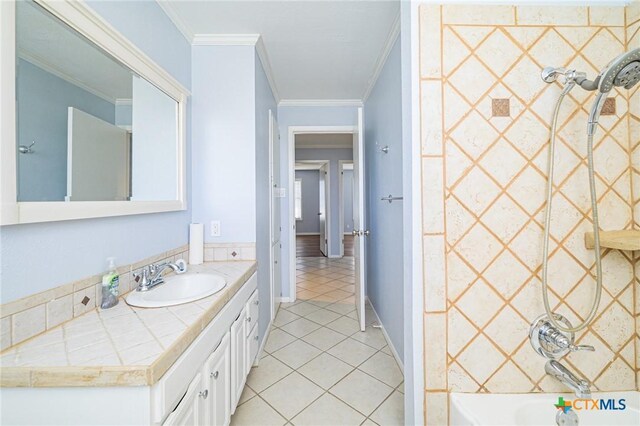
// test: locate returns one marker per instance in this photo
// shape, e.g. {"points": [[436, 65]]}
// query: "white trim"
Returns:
{"points": [[387, 338], [320, 102], [294, 196], [9, 213], [412, 223], [341, 169], [291, 148], [283, 299], [225, 39], [335, 256], [124, 102], [182, 26], [266, 66], [83, 19], [382, 59], [52, 69], [306, 234], [256, 362]]}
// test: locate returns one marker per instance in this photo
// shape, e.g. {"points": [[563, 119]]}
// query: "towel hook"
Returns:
{"points": [[27, 149]]}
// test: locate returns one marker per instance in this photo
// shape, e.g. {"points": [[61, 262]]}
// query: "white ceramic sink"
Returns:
{"points": [[178, 289]]}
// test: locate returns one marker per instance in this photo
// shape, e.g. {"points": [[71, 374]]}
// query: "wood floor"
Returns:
{"points": [[309, 246]]}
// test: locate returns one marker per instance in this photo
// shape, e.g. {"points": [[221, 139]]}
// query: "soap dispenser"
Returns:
{"points": [[110, 285]]}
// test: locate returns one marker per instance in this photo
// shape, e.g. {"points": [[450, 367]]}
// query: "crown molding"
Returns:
{"points": [[242, 40], [320, 103], [382, 59], [53, 70], [124, 102], [169, 10], [266, 66], [225, 39]]}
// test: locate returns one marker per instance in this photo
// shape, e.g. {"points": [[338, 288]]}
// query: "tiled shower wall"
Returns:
{"points": [[485, 131]]}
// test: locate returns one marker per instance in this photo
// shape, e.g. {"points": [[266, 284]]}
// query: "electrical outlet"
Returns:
{"points": [[215, 228]]}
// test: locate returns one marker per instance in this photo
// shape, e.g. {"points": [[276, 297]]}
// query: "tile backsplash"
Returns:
{"points": [[27, 317], [32, 315], [484, 174]]}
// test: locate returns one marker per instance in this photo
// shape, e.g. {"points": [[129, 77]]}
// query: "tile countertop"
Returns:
{"points": [[121, 346]]}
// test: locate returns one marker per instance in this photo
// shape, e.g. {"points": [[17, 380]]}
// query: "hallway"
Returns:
{"points": [[317, 367]]}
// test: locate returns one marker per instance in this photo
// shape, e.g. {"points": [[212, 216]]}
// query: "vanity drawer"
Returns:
{"points": [[253, 311]]}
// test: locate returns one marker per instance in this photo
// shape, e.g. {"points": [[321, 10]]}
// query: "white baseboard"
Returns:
{"points": [[334, 256], [264, 342], [387, 338], [307, 233], [283, 299]]}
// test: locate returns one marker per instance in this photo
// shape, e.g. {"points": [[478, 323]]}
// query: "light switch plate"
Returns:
{"points": [[215, 228]]}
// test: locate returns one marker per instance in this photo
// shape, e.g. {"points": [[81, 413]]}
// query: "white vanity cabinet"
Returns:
{"points": [[192, 410], [213, 395]]}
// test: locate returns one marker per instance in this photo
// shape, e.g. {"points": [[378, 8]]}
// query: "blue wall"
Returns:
{"points": [[264, 102], [42, 117], [347, 200], [383, 126], [302, 116], [310, 222], [334, 156], [37, 257]]}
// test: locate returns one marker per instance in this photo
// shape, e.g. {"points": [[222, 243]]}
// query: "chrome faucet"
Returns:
{"points": [[559, 372], [151, 276]]}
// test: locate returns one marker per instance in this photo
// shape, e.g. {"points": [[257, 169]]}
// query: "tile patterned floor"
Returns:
{"points": [[317, 367]]}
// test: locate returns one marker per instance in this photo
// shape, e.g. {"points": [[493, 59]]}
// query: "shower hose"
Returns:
{"points": [[547, 224]]}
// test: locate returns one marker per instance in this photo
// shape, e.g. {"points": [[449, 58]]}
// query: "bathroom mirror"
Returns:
{"points": [[98, 127]]}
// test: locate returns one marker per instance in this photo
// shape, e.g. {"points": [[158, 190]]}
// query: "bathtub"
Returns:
{"points": [[538, 409]]}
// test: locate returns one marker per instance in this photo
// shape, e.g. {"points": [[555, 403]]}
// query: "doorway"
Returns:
{"points": [[335, 248]]}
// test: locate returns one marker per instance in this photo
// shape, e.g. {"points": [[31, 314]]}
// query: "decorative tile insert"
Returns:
{"points": [[500, 107], [494, 169], [609, 107]]}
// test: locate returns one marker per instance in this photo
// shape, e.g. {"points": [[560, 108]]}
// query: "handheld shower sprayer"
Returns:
{"points": [[623, 71]]}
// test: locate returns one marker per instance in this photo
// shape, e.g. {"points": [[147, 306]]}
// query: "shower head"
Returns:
{"points": [[623, 71]]}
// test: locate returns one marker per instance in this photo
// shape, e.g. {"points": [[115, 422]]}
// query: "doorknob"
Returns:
{"points": [[355, 233], [366, 233]]}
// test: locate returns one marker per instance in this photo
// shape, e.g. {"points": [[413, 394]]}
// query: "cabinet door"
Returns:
{"points": [[253, 311], [191, 409], [252, 346], [217, 375], [238, 358]]}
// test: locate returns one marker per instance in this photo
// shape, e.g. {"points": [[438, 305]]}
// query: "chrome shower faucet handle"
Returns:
{"points": [[552, 343]]}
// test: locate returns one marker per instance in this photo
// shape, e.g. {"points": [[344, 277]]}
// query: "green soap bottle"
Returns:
{"points": [[110, 285]]}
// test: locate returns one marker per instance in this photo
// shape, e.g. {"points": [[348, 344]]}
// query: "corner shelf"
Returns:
{"points": [[620, 240]]}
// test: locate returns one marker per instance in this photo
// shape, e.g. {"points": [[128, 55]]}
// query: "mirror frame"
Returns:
{"points": [[83, 19]]}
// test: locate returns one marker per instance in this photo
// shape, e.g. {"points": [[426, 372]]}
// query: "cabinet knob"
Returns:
{"points": [[214, 375], [257, 302], [248, 319], [256, 338], [204, 394]]}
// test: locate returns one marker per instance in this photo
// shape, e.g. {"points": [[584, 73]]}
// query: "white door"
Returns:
{"points": [[276, 244], [359, 226], [324, 192], [97, 158]]}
